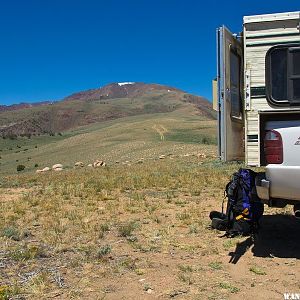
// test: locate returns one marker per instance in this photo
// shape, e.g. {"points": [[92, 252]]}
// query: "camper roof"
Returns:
{"points": [[272, 17]]}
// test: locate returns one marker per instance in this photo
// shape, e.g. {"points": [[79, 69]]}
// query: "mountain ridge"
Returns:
{"points": [[112, 101]]}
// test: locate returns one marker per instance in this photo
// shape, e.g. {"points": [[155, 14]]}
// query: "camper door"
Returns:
{"points": [[230, 90]]}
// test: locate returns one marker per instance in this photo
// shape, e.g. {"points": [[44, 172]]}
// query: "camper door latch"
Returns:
{"points": [[247, 90]]}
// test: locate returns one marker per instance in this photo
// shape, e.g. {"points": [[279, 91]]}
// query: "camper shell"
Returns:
{"points": [[258, 83], [242, 88]]}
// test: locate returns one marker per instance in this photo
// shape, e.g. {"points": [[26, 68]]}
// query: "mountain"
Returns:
{"points": [[112, 101], [120, 90], [22, 105]]}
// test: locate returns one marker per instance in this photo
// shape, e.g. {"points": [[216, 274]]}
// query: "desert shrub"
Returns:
{"points": [[11, 232], [103, 229], [20, 168], [126, 229], [103, 251], [208, 140], [27, 253], [7, 292]]}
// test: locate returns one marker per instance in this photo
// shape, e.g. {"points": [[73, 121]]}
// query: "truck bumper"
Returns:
{"points": [[279, 182], [262, 187], [284, 181]]}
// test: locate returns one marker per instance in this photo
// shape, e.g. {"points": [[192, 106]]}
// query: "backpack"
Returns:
{"points": [[244, 208]]}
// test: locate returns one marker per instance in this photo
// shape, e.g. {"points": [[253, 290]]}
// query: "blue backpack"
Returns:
{"points": [[244, 208]]}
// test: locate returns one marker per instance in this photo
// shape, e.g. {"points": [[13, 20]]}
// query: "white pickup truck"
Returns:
{"points": [[281, 182], [257, 97]]}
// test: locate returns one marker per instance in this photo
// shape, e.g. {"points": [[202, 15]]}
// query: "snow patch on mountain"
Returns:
{"points": [[125, 83]]}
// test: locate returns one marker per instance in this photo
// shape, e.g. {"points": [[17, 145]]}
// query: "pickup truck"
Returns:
{"points": [[257, 97], [280, 184]]}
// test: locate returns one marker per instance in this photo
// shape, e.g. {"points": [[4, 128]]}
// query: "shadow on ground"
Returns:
{"points": [[278, 237]]}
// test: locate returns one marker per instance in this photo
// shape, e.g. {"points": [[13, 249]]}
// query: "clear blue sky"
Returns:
{"points": [[50, 49]]}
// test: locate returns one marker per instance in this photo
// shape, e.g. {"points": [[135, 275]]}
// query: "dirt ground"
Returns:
{"points": [[153, 244]]}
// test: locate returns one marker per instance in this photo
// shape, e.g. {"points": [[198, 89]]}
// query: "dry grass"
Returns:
{"points": [[131, 232]]}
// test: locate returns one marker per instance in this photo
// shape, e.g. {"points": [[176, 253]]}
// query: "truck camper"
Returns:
{"points": [[257, 96]]}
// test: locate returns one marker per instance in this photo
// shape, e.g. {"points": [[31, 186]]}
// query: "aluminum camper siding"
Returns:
{"points": [[260, 33]]}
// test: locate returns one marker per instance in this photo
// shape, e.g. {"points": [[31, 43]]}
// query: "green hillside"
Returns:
{"points": [[183, 131]]}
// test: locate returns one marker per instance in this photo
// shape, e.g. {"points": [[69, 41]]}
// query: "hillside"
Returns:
{"points": [[130, 139], [110, 102]]}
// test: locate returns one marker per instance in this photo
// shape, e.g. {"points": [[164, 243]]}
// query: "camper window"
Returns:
{"points": [[283, 75], [235, 94]]}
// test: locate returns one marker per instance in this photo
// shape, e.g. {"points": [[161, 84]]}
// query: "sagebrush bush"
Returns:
{"points": [[20, 168], [11, 232]]}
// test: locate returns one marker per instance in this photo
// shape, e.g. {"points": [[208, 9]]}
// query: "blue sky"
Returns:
{"points": [[50, 49]]}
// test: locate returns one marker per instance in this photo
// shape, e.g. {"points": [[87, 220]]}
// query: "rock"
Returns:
{"points": [[79, 164], [57, 169], [39, 171], [57, 166], [201, 155], [46, 169], [162, 156], [90, 165], [99, 163]]}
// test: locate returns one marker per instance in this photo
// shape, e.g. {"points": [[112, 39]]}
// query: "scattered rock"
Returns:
{"points": [[46, 169], [162, 156], [79, 164], [99, 163], [57, 166], [201, 155]]}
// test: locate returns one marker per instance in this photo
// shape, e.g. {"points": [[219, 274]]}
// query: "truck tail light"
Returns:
{"points": [[273, 147]]}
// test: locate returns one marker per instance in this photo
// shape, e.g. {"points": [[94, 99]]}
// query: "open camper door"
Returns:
{"points": [[230, 91]]}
